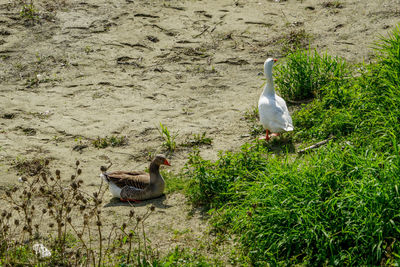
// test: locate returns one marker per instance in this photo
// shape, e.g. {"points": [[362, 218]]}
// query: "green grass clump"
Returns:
{"points": [[305, 74], [173, 183], [211, 181], [185, 257], [198, 140], [169, 138], [334, 114], [339, 204], [28, 12], [110, 141]]}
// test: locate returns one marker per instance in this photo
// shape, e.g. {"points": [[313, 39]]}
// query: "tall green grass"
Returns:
{"points": [[338, 205], [365, 107], [305, 73]]}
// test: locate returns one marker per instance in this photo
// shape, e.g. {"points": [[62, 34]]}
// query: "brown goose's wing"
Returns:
{"points": [[130, 173], [138, 179]]}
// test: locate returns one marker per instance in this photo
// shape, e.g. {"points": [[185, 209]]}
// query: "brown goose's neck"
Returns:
{"points": [[154, 167], [154, 171]]}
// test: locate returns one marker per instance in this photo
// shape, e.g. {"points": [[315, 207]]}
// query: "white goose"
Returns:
{"points": [[274, 114]]}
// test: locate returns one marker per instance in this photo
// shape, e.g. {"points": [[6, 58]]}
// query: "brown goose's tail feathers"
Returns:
{"points": [[104, 177]]}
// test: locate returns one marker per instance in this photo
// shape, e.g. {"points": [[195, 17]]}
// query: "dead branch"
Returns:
{"points": [[302, 151]]}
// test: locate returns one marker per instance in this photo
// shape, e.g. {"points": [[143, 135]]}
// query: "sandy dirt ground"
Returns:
{"points": [[83, 69]]}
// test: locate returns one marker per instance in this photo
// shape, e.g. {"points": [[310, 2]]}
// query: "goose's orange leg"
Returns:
{"points": [[266, 136]]}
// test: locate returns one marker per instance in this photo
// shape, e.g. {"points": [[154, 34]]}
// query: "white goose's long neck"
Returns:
{"points": [[269, 86]]}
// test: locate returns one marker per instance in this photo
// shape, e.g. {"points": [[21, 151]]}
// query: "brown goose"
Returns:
{"points": [[137, 185]]}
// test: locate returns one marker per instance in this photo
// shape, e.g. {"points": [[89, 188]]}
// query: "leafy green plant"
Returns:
{"points": [[32, 82], [28, 12], [88, 49], [305, 74], [198, 140], [251, 114], [113, 141], [184, 257], [169, 138]]}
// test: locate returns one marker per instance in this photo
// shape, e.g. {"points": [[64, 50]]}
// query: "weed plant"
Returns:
{"points": [[337, 205], [56, 212], [110, 141], [184, 257], [198, 140], [31, 167], [28, 12], [169, 138]]}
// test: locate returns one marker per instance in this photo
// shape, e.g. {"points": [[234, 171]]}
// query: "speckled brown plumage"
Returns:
{"points": [[138, 179]]}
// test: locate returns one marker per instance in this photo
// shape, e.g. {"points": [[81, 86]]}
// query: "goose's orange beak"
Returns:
{"points": [[275, 60], [166, 163]]}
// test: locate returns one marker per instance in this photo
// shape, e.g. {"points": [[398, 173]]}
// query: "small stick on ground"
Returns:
{"points": [[302, 151], [204, 30]]}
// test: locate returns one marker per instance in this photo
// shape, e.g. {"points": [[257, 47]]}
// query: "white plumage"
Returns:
{"points": [[114, 189], [274, 114]]}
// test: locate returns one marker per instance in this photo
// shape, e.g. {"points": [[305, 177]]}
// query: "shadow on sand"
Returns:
{"points": [[157, 202]]}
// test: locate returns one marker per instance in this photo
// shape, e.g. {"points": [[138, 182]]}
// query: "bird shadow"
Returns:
{"points": [[156, 202], [203, 212], [280, 144]]}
